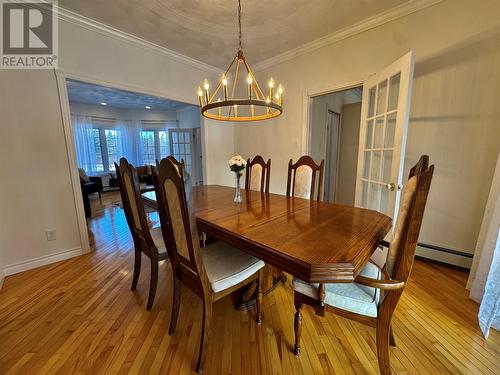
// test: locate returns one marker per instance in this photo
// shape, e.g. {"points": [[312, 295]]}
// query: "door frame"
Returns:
{"points": [[307, 97], [61, 78]]}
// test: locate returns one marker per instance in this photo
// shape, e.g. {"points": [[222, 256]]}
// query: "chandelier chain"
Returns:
{"points": [[239, 23]]}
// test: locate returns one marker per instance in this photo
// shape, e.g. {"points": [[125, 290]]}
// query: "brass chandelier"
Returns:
{"points": [[219, 105]]}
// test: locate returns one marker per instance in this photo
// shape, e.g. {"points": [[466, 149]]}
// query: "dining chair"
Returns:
{"points": [[179, 164], [213, 272], [258, 174], [302, 178], [146, 240], [373, 296]]}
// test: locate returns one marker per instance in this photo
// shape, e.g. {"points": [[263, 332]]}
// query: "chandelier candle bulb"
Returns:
{"points": [[206, 86], [249, 81], [200, 96], [224, 84]]}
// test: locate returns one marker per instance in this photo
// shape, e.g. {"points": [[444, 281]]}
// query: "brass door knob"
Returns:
{"points": [[391, 186]]}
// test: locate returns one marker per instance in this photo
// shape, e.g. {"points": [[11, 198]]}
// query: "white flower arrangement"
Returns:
{"points": [[237, 164]]}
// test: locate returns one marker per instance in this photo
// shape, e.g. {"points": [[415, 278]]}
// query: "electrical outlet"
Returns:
{"points": [[51, 234]]}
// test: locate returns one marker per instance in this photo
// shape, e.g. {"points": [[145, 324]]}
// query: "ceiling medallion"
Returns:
{"points": [[236, 107]]}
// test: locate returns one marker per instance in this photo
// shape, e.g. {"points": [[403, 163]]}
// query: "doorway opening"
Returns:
{"points": [[104, 124], [334, 137]]}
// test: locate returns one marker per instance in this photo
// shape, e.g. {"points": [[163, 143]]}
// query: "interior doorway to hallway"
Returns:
{"points": [[334, 137]]}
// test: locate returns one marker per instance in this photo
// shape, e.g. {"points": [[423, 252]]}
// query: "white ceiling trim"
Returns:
{"points": [[367, 24], [96, 26]]}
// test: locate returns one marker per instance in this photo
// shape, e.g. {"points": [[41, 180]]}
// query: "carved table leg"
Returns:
{"points": [[297, 322]]}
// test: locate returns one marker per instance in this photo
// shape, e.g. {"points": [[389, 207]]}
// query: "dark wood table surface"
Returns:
{"points": [[316, 241]]}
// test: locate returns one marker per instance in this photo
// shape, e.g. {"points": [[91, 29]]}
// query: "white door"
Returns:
{"points": [[382, 139], [181, 148]]}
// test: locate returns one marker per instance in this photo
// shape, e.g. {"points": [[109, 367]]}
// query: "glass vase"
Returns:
{"points": [[237, 193]]}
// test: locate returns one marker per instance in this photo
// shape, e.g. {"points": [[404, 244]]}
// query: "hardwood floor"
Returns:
{"points": [[79, 316]]}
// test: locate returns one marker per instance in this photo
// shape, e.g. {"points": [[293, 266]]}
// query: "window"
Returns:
{"points": [[154, 145], [98, 153], [148, 146], [107, 146], [164, 146], [113, 148]]}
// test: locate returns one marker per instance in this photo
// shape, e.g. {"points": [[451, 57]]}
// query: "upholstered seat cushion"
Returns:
{"points": [[227, 266], [352, 297], [157, 237]]}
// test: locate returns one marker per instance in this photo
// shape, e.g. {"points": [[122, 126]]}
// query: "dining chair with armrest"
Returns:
{"points": [[374, 294], [213, 272], [179, 164], [302, 176], [147, 241], [258, 174]]}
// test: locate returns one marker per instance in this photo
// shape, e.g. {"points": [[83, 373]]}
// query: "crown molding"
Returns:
{"points": [[103, 29], [365, 25]]}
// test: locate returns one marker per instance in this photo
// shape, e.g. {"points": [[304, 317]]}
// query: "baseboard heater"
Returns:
{"points": [[444, 255]]}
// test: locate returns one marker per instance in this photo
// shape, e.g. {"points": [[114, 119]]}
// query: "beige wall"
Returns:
{"points": [[348, 158], [454, 114], [220, 136], [36, 192]]}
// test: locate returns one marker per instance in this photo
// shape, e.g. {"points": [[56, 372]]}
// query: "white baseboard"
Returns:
{"points": [[41, 261], [453, 259]]}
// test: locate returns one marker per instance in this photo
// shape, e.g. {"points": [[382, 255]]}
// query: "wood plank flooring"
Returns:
{"points": [[80, 317]]}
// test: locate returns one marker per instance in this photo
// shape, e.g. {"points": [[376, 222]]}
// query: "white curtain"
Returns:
{"points": [[131, 141], [84, 143], [484, 279]]}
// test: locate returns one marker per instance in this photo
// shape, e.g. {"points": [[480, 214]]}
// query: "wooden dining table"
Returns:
{"points": [[316, 241]]}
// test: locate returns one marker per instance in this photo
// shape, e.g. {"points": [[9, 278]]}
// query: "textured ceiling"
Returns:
{"points": [[207, 30], [80, 92]]}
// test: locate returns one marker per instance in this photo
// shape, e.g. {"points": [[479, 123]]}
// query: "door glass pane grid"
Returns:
{"points": [[382, 93], [369, 135], [372, 94], [374, 192], [386, 166], [181, 145], [366, 166], [390, 130], [376, 166], [394, 83], [379, 143], [378, 133]]}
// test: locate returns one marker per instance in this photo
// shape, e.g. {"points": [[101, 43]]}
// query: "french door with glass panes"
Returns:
{"points": [[382, 139], [181, 147]]}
